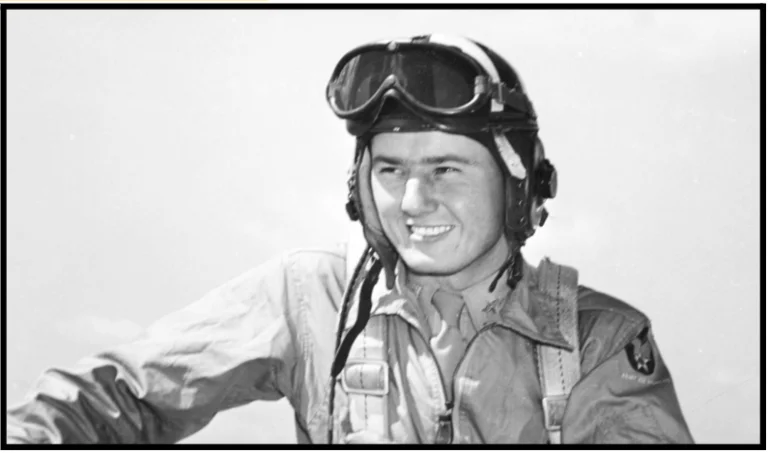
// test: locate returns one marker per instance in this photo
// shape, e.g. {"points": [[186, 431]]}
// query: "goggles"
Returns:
{"points": [[437, 76]]}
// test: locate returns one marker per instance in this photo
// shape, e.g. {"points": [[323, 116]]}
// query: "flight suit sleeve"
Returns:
{"points": [[626, 394], [233, 346]]}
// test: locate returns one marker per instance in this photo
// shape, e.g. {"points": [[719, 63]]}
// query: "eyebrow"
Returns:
{"points": [[430, 160]]}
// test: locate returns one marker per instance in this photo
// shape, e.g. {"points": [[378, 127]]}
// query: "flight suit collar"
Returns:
{"points": [[518, 310]]}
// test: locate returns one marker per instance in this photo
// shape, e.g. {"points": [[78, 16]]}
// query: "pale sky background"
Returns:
{"points": [[153, 155]]}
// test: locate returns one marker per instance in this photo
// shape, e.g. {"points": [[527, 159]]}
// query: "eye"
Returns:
{"points": [[442, 170], [389, 170]]}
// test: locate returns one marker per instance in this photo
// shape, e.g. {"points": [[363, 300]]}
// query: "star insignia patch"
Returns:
{"points": [[640, 354], [493, 306], [492, 311]]}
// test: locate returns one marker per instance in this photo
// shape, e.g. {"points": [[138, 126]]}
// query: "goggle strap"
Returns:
{"points": [[510, 157], [514, 99]]}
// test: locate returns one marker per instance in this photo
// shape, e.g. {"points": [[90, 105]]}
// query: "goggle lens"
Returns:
{"points": [[434, 77]]}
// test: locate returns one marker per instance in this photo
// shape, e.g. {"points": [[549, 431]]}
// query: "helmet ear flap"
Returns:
{"points": [[361, 206], [525, 198], [352, 212], [353, 200], [516, 216]]}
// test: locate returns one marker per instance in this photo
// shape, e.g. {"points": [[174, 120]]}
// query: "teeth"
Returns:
{"points": [[430, 231]]}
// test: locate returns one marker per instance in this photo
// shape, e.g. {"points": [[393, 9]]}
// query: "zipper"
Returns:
{"points": [[444, 433], [449, 409], [447, 419]]}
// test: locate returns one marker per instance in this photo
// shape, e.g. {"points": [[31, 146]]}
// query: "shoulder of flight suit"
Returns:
{"points": [[321, 256], [321, 261], [606, 326], [315, 268], [626, 393]]}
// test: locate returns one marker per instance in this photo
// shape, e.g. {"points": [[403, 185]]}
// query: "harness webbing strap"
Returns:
{"points": [[365, 379], [559, 370], [365, 376]]}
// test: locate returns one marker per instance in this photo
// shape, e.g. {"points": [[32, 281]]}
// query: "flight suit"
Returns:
{"points": [[270, 334]]}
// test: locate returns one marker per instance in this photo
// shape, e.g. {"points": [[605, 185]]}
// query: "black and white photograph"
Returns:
{"points": [[383, 224]]}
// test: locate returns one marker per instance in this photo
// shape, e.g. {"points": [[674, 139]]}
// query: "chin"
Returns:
{"points": [[419, 263]]}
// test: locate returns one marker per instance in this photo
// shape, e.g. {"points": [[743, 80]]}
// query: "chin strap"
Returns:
{"points": [[513, 264], [363, 313]]}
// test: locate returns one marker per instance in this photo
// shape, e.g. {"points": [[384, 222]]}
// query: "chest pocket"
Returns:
{"points": [[366, 377]]}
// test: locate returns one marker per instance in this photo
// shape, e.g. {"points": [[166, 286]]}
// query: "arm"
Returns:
{"points": [[233, 346], [626, 393]]}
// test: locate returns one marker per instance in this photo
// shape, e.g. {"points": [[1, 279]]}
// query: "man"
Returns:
{"points": [[431, 330]]}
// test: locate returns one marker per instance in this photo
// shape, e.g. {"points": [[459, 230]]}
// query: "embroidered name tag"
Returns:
{"points": [[367, 377]]}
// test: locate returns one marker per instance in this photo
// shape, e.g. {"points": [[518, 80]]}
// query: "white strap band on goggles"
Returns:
{"points": [[474, 51]]}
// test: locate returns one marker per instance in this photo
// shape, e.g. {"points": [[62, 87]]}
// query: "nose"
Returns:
{"points": [[417, 198]]}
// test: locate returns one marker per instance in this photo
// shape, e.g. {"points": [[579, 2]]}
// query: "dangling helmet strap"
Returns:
{"points": [[344, 342], [363, 314]]}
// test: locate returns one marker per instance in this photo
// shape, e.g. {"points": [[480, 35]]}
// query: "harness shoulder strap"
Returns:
{"points": [[365, 377], [559, 370]]}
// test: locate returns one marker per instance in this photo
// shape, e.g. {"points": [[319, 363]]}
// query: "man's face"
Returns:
{"points": [[440, 200]]}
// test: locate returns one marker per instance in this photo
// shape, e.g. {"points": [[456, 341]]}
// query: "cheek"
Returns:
{"points": [[473, 200], [385, 198], [480, 208], [493, 194]]}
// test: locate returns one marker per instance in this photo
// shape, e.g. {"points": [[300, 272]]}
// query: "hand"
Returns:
{"points": [[366, 437]]}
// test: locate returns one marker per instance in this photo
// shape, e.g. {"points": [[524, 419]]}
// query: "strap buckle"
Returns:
{"points": [[513, 98], [554, 410], [366, 377]]}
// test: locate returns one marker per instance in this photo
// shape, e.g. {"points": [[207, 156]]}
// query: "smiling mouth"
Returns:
{"points": [[420, 233]]}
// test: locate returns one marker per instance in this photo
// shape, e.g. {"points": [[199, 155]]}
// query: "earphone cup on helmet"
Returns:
{"points": [[540, 185], [543, 185], [535, 216]]}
